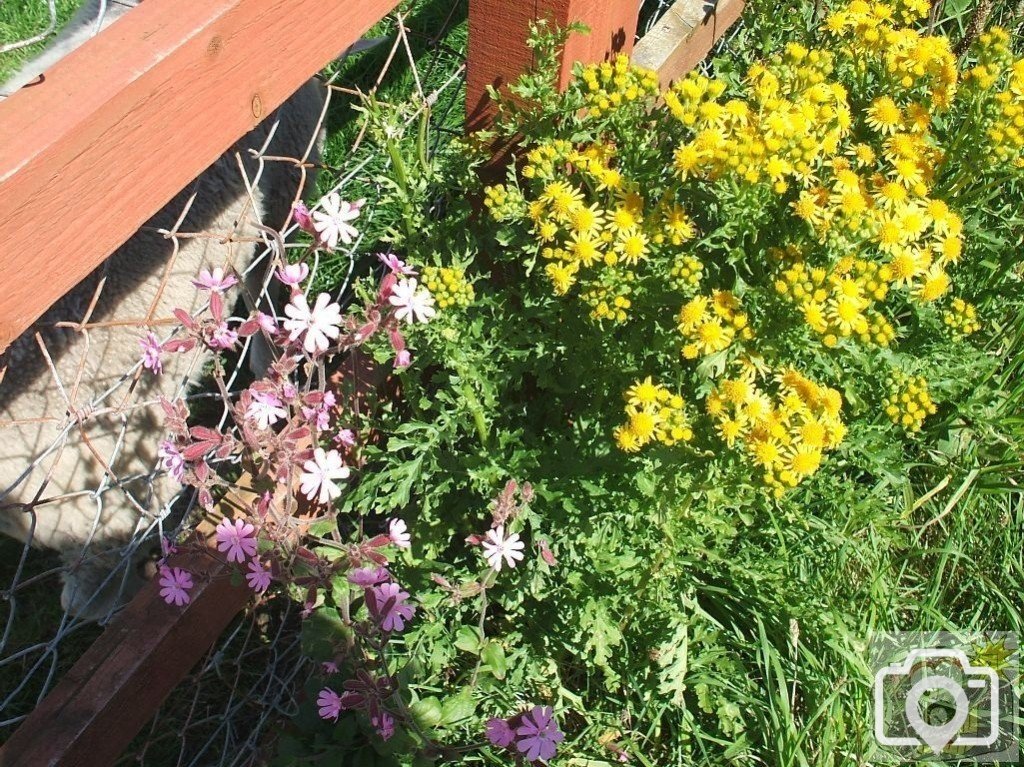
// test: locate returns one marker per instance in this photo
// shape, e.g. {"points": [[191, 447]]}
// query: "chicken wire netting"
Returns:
{"points": [[80, 414], [85, 498]]}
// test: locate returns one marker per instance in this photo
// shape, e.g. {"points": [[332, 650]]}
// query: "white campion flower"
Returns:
{"points": [[331, 221], [319, 324], [498, 547], [319, 475], [412, 301], [398, 532]]}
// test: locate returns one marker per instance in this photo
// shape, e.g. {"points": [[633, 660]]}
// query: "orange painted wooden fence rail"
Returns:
{"points": [[112, 133], [118, 127]]}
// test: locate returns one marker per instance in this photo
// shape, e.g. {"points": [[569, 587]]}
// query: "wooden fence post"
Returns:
{"points": [[498, 52]]}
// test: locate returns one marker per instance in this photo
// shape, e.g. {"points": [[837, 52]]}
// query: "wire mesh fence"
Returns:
{"points": [[87, 496]]}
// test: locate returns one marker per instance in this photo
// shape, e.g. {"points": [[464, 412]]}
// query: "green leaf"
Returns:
{"points": [[427, 712], [468, 639], [494, 656], [458, 707]]}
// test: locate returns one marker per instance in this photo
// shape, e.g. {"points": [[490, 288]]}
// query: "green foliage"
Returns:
{"points": [[688, 615]]}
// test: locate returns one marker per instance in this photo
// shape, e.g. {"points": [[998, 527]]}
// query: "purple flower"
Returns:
{"points": [[329, 703], [329, 667], [499, 733], [258, 576], [293, 274], [222, 337], [237, 538], [395, 264], [215, 281], [265, 409], [172, 460], [384, 723], [403, 359], [151, 353], [346, 437], [538, 735], [387, 604], [174, 585], [368, 577]]}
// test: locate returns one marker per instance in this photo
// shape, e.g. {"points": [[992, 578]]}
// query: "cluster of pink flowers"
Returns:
{"points": [[363, 692], [534, 734]]}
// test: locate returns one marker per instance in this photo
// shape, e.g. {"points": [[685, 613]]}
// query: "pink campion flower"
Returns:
{"points": [[301, 214], [403, 359], [293, 274], [167, 547], [320, 411], [395, 264], [265, 409], [388, 606], [317, 326], [267, 323], [174, 585], [498, 547], [329, 703], [151, 353], [412, 301], [215, 281], [331, 222], [171, 459], [499, 733], [384, 724], [258, 576], [289, 390], [329, 667], [222, 337], [398, 532], [365, 577], [237, 538], [538, 736], [346, 437], [319, 475]]}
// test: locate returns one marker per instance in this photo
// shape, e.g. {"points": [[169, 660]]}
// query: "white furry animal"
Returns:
{"points": [[77, 468]]}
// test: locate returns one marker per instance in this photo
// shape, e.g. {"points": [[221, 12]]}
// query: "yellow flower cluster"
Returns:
{"points": [[786, 435], [449, 286], [711, 324], [908, 402], [911, 59], [1005, 121], [840, 302], [686, 273], [654, 414], [609, 85], [794, 116], [503, 203], [608, 298], [594, 227], [962, 318]]}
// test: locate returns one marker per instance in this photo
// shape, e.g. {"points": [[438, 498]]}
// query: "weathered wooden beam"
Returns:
{"points": [[684, 35], [118, 684], [118, 127], [498, 52]]}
